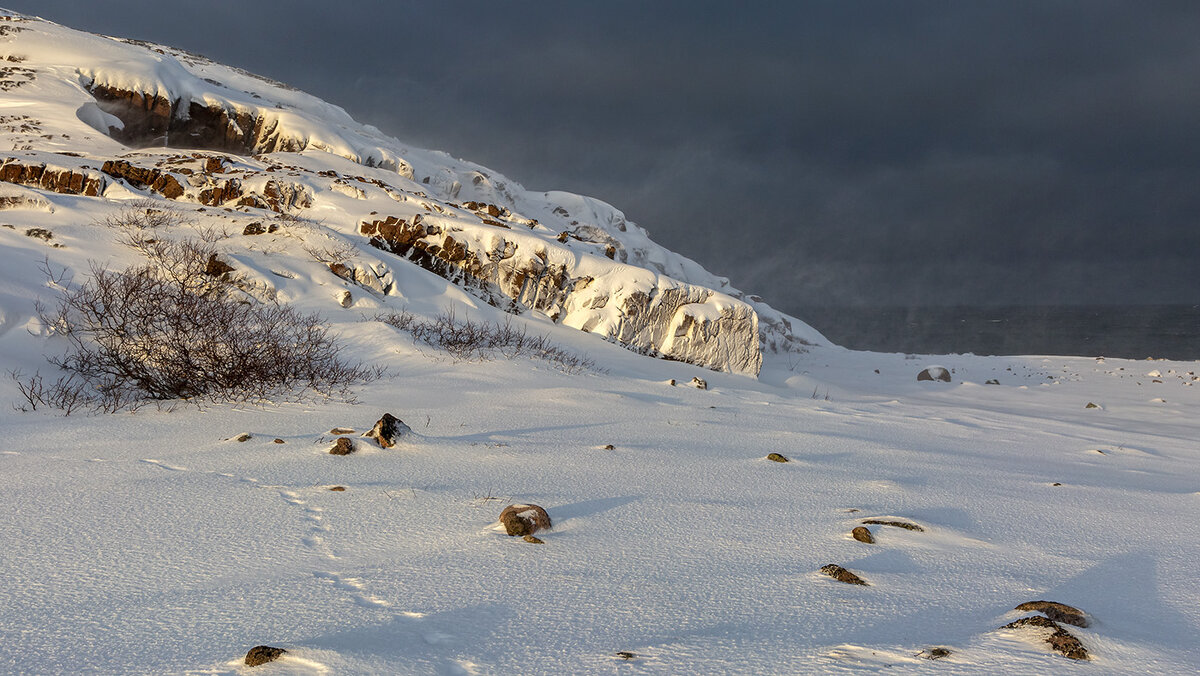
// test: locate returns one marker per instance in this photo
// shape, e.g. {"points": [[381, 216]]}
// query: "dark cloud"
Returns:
{"points": [[816, 153]]}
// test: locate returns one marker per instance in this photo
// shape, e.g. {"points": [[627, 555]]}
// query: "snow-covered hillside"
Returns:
{"points": [[173, 537], [100, 118]]}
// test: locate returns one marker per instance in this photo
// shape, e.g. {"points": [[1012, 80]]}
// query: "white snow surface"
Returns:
{"points": [[154, 543]]}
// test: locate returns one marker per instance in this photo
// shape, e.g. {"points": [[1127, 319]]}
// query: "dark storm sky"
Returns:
{"points": [[817, 153]]}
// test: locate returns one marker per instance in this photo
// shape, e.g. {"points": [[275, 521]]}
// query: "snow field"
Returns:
{"points": [[165, 547]]}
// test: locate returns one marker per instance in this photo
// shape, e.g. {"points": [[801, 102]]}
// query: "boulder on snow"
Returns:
{"points": [[1059, 612], [776, 457], [524, 519], [938, 373], [261, 654], [842, 575], [343, 446], [533, 540], [863, 534], [387, 430], [935, 653]]}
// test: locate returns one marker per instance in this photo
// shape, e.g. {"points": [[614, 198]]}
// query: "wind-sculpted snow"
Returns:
{"points": [[113, 119]]}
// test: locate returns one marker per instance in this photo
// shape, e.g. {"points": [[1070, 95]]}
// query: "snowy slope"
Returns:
{"points": [[80, 102], [156, 542]]}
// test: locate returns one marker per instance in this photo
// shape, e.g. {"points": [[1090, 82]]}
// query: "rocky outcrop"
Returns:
{"points": [[643, 311], [282, 196], [158, 119], [55, 179], [220, 192], [374, 278], [277, 196], [157, 180], [497, 276], [155, 120]]}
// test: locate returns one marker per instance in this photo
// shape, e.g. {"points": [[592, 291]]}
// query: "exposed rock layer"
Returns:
{"points": [[661, 316], [154, 120], [55, 179]]}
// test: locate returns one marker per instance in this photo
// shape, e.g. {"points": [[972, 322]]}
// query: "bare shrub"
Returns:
{"points": [[67, 394], [144, 214], [322, 245], [212, 233], [469, 340], [331, 251], [170, 329]]}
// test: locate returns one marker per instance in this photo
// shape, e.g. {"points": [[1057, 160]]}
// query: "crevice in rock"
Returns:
{"points": [[152, 120]]}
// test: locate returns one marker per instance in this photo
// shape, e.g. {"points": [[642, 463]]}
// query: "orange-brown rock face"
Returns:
{"points": [[161, 182], [152, 120], [66, 181]]}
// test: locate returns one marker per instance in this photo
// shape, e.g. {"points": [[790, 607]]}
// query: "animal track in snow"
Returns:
{"points": [[160, 463], [315, 540], [356, 588]]}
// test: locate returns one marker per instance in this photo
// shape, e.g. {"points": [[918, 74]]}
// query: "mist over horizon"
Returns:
{"points": [[818, 155]]}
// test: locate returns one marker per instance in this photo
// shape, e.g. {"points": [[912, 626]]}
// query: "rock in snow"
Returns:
{"points": [[1059, 612], [863, 534], [524, 519], [387, 431], [842, 575], [1061, 640], [261, 654], [938, 373]]}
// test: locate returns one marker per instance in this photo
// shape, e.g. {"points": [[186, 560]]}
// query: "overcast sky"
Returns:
{"points": [[817, 153]]}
